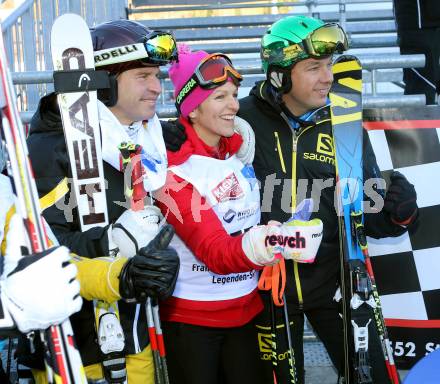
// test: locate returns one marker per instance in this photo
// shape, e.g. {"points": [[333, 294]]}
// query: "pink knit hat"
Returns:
{"points": [[180, 72]]}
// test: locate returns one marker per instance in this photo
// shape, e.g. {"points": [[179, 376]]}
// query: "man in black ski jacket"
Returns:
{"points": [[106, 270], [294, 159]]}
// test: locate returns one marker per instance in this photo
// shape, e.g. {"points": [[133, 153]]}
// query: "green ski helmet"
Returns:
{"points": [[296, 38]]}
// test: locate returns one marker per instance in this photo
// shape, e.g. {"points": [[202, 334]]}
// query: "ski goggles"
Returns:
{"points": [[324, 41], [158, 48], [213, 71]]}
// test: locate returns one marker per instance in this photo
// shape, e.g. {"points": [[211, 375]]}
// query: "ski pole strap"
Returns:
{"points": [[273, 278], [80, 80]]}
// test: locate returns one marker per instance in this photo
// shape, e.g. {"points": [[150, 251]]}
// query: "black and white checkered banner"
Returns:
{"points": [[407, 268]]}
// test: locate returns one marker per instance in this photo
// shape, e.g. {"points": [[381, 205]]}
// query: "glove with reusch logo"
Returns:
{"points": [[295, 240], [301, 218], [300, 240]]}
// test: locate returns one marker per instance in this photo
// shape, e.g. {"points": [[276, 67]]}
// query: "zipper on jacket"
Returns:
{"points": [[280, 152], [295, 137], [295, 264]]}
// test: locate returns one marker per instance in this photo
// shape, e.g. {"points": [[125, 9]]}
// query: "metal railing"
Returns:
{"points": [[26, 32], [373, 66], [309, 4], [360, 24], [265, 20], [32, 62], [370, 25]]}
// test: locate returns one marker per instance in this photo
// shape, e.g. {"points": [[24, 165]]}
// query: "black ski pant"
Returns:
{"points": [[327, 324], [202, 355]]}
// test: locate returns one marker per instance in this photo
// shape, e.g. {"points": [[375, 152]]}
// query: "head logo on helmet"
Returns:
{"points": [[276, 79], [297, 38], [122, 45]]}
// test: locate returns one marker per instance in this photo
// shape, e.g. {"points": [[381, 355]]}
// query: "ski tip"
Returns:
{"points": [[62, 39], [345, 58], [345, 63]]}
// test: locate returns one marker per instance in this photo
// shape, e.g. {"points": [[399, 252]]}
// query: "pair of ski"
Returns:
{"points": [[62, 359], [363, 321]]}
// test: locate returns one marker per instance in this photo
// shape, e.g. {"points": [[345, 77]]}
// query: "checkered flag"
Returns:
{"points": [[407, 268]]}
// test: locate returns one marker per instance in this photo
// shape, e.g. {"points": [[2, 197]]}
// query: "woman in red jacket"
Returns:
{"points": [[213, 201]]}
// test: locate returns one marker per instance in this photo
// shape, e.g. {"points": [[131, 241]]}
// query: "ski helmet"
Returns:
{"points": [[125, 44], [297, 38], [122, 45]]}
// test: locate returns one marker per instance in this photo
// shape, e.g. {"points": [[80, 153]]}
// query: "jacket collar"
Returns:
{"points": [[193, 145]]}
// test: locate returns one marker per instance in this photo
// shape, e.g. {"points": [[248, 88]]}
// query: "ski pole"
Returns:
{"points": [[378, 315], [131, 155], [153, 343], [265, 284], [289, 343], [8, 361], [273, 330], [160, 342], [273, 279]]}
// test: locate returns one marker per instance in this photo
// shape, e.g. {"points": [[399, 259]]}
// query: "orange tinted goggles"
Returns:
{"points": [[214, 70]]}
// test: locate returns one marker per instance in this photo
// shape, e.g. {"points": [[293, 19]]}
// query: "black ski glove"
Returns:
{"points": [[173, 134], [401, 200], [153, 271]]}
